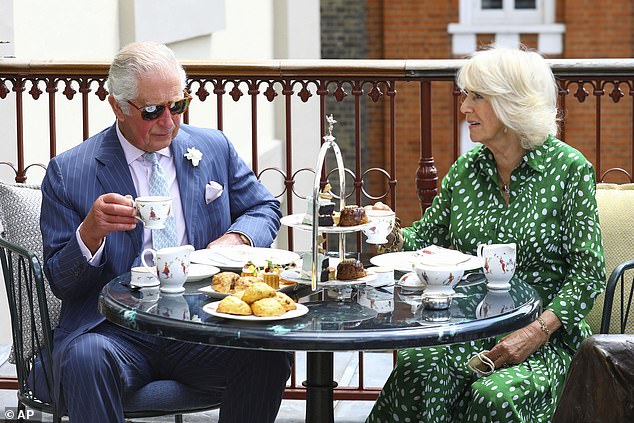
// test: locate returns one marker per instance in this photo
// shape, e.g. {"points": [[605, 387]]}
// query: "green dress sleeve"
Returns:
{"points": [[582, 249]]}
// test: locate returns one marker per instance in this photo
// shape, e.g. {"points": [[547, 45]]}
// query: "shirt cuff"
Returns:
{"points": [[244, 237], [93, 260]]}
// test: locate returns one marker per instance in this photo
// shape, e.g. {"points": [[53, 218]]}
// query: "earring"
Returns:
{"points": [[506, 130]]}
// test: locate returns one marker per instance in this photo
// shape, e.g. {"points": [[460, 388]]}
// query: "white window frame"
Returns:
{"points": [[507, 25], [508, 14]]}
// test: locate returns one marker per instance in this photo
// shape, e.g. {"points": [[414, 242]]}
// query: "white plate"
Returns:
{"points": [[198, 272], [295, 276], [235, 257], [295, 221], [213, 293], [299, 311], [404, 260]]}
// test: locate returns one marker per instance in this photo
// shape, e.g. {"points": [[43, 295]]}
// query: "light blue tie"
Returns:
{"points": [[161, 238]]}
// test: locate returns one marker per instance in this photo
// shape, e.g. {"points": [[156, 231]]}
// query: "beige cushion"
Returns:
{"points": [[616, 217], [20, 206]]}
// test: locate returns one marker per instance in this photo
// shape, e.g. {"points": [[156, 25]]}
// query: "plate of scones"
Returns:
{"points": [[258, 302], [232, 283]]}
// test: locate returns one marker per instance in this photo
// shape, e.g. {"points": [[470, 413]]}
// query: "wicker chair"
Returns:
{"points": [[34, 312]]}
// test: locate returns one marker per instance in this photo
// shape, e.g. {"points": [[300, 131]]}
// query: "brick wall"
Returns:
{"points": [[417, 29]]}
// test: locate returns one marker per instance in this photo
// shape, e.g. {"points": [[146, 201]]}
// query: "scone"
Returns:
{"points": [[244, 282], [224, 282], [233, 305], [267, 307], [286, 301], [257, 291]]}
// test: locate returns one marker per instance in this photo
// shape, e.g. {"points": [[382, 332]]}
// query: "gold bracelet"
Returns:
{"points": [[543, 327]]}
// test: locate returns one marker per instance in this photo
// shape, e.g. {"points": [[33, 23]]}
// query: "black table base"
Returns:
{"points": [[319, 385]]}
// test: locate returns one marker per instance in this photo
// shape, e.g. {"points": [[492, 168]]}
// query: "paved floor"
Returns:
{"points": [[377, 368]]}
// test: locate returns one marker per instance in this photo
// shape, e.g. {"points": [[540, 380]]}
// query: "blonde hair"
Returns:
{"points": [[521, 88]]}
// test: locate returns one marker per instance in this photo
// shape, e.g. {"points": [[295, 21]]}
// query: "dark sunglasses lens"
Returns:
{"points": [[179, 106], [152, 112]]}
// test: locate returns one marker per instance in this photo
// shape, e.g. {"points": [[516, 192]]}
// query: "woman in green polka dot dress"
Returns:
{"points": [[519, 185]]}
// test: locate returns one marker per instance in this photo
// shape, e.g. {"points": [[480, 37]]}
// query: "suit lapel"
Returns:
{"points": [[187, 176], [114, 175]]}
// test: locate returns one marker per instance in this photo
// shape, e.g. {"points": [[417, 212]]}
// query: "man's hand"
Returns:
{"points": [[231, 238], [109, 213]]}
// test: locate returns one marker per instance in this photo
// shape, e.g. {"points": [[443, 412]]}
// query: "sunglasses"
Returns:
{"points": [[154, 111]]}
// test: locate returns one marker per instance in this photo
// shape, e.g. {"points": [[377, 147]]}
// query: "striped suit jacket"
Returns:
{"points": [[75, 178]]}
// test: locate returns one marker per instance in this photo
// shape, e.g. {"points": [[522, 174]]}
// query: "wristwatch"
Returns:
{"points": [[245, 239]]}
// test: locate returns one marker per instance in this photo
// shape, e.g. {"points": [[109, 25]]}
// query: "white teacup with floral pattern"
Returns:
{"points": [[381, 224], [172, 266], [153, 211], [499, 264]]}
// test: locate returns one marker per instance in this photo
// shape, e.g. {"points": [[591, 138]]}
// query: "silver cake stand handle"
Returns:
{"points": [[329, 142]]}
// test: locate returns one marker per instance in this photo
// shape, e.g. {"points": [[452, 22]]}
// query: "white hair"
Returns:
{"points": [[521, 88], [135, 60]]}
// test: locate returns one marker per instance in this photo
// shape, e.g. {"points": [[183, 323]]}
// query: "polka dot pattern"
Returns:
{"points": [[552, 217]]}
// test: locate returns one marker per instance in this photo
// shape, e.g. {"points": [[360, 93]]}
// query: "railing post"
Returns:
{"points": [[426, 174], [18, 88]]}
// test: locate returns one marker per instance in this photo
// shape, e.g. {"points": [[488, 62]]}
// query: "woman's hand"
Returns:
{"points": [[515, 347]]}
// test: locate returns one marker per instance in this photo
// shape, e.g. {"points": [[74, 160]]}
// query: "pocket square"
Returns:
{"points": [[213, 190]]}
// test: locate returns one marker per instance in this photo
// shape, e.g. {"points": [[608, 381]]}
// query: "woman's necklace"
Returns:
{"points": [[505, 188]]}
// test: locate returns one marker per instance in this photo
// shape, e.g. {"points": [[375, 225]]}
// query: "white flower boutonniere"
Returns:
{"points": [[194, 155]]}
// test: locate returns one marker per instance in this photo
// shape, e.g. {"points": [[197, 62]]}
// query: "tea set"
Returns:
{"points": [[438, 280]]}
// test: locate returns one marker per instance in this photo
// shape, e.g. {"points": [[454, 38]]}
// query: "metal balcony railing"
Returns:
{"points": [[399, 130]]}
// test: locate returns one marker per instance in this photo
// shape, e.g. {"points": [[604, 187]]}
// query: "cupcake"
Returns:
{"points": [[249, 269]]}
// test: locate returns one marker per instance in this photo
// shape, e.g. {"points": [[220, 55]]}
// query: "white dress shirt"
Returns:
{"points": [[140, 170]]}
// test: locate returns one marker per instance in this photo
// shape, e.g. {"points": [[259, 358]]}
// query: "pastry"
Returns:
{"points": [[325, 208], [349, 269], [286, 301], [353, 216], [243, 282], [234, 305], [272, 279], [224, 282], [257, 291], [249, 269], [267, 307]]}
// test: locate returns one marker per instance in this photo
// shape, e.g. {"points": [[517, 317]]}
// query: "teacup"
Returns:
{"points": [[384, 276], [172, 266], [439, 279], [143, 277], [381, 301], [494, 303], [153, 211], [174, 306], [499, 264], [381, 224]]}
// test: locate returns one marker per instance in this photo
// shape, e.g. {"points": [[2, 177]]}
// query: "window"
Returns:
{"points": [[507, 19], [508, 12]]}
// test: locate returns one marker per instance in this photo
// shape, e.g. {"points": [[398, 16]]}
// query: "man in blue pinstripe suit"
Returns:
{"points": [[90, 236]]}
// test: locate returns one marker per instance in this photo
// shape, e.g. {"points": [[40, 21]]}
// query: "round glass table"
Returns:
{"points": [[383, 318]]}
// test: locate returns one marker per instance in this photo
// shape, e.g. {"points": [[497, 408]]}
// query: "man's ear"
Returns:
{"points": [[116, 108]]}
